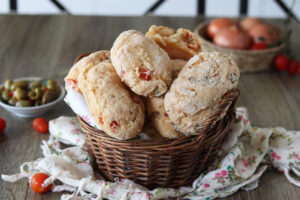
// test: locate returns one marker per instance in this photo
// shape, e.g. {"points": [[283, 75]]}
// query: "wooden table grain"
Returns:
{"points": [[47, 46]]}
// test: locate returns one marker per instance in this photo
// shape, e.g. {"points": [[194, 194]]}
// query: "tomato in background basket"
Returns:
{"points": [[281, 62], [2, 125], [259, 46], [37, 183], [40, 125]]}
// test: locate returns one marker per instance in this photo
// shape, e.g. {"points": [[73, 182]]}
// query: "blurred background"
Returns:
{"points": [[232, 8]]}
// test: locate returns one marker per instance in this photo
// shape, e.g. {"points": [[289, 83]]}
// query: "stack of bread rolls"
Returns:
{"points": [[161, 78]]}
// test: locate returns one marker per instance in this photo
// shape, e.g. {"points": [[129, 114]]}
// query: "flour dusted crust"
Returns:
{"points": [[180, 44], [141, 64], [197, 90], [177, 65], [71, 79], [117, 110], [159, 118]]}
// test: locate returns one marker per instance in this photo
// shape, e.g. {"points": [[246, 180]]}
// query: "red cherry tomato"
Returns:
{"points": [[281, 62], [293, 67], [40, 125], [37, 183], [259, 46], [2, 125]]}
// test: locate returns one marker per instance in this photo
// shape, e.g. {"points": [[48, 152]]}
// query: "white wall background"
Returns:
{"points": [[257, 8]]}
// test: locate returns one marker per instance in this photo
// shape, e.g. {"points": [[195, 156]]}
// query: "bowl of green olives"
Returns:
{"points": [[30, 96]]}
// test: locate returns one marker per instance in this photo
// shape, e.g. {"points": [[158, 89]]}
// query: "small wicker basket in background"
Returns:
{"points": [[247, 60], [162, 162]]}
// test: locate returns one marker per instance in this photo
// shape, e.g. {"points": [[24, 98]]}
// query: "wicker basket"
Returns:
{"points": [[247, 61], [162, 162]]}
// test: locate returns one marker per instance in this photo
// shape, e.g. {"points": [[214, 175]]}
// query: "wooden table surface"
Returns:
{"points": [[47, 46]]}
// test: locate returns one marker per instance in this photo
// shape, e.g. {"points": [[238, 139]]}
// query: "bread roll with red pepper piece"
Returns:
{"points": [[116, 109], [92, 59], [180, 44], [196, 92], [160, 119], [141, 64]]}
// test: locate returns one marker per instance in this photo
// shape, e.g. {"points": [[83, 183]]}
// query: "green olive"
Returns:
{"points": [[37, 103], [51, 84], [5, 95], [12, 101], [48, 96], [8, 84], [23, 103], [35, 94], [35, 84], [19, 84], [20, 93]]}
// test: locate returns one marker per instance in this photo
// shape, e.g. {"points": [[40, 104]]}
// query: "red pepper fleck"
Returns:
{"points": [[122, 73], [11, 93], [101, 120], [165, 114], [193, 48], [187, 35], [145, 75], [114, 125], [71, 81], [46, 89]]}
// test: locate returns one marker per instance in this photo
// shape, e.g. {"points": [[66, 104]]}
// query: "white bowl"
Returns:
{"points": [[33, 111]]}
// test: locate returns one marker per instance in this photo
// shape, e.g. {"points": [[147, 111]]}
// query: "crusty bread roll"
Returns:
{"points": [[141, 64], [180, 44], [117, 110], [159, 118], [197, 90], [92, 59]]}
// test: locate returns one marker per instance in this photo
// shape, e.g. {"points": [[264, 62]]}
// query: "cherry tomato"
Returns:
{"points": [[281, 62], [293, 67], [40, 125], [37, 183], [259, 46], [2, 125]]}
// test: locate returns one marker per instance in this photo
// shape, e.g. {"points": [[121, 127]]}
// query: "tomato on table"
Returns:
{"points": [[281, 62], [37, 183], [293, 67], [2, 125], [40, 125]]}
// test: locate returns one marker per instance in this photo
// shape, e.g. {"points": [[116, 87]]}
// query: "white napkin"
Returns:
{"points": [[77, 103]]}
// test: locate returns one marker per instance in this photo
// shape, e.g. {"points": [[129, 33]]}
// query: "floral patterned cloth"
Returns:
{"points": [[67, 130], [243, 158]]}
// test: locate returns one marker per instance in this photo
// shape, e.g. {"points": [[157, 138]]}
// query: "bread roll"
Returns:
{"points": [[92, 59], [141, 64], [117, 110], [196, 92], [181, 44]]}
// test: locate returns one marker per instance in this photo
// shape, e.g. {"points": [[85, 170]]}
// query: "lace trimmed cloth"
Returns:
{"points": [[244, 157]]}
